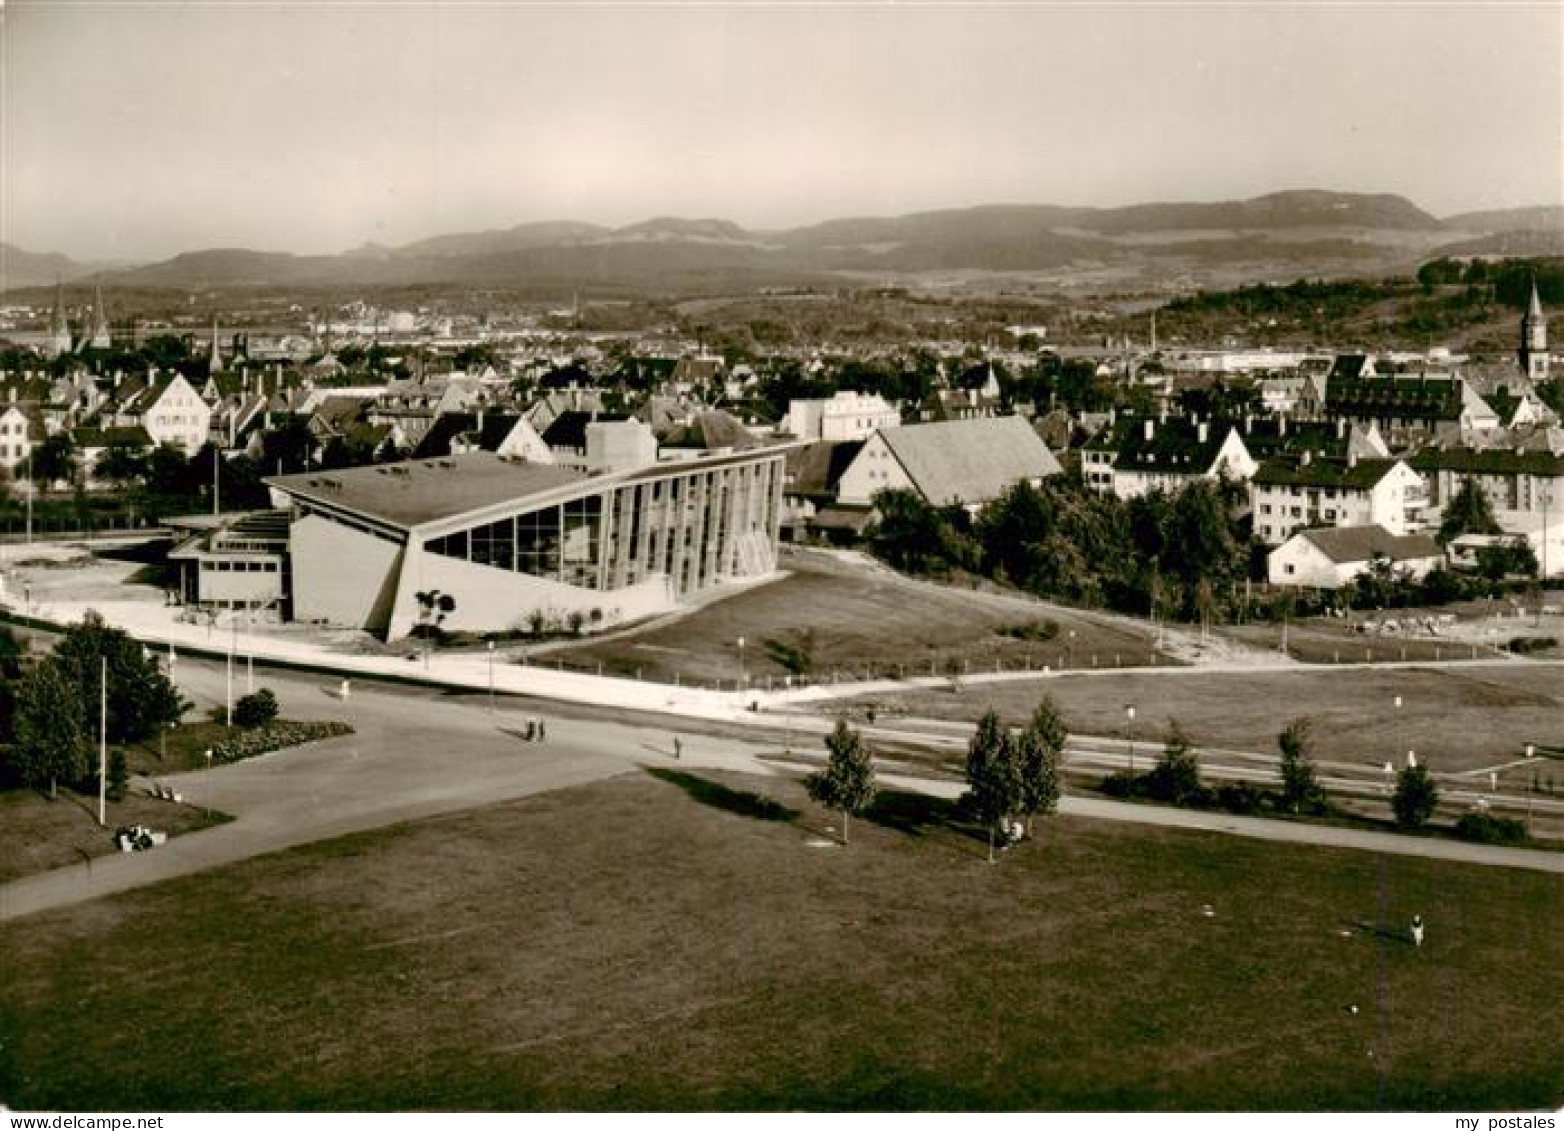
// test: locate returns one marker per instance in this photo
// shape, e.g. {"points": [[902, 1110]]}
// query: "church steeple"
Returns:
{"points": [[59, 341], [214, 363], [99, 338], [1534, 338]]}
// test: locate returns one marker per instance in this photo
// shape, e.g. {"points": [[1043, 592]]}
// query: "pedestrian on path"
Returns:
{"points": [[542, 730], [1417, 930], [347, 687], [678, 748]]}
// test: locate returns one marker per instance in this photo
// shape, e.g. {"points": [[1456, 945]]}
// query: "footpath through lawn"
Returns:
{"points": [[678, 939]]}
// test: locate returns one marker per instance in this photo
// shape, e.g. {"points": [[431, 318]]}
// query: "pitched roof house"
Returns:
{"points": [[1331, 557], [970, 462]]}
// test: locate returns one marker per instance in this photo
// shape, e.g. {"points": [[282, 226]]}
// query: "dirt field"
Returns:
{"points": [[855, 617]]}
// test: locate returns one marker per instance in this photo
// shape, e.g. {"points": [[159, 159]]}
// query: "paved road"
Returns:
{"points": [[418, 752]]}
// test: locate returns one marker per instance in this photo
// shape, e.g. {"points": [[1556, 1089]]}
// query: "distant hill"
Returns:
{"points": [[1284, 234], [546, 233], [1527, 243], [1543, 218], [19, 268]]}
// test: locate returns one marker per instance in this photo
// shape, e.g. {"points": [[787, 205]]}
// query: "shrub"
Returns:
{"points": [[1176, 776], [1032, 630], [256, 710], [795, 660], [1525, 645], [1240, 797], [1122, 783], [1485, 828]]}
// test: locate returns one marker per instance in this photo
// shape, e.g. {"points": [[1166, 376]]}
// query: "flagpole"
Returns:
{"points": [[103, 740]]}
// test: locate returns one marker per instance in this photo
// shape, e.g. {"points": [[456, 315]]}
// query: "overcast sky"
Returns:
{"points": [[140, 130]]}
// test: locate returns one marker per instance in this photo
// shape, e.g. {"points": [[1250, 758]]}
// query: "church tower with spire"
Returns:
{"points": [[99, 338], [58, 343], [1534, 339], [214, 361]]}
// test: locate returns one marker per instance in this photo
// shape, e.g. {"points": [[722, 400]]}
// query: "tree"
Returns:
{"points": [[847, 782], [120, 464], [993, 775], [1176, 776], [1416, 797], [119, 775], [1300, 788], [50, 737], [433, 607], [140, 697], [1467, 512], [54, 460], [1039, 750], [256, 709]]}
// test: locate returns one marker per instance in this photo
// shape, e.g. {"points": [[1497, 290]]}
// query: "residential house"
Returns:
{"points": [[168, 406], [1517, 481], [21, 430], [812, 476], [1288, 494], [1134, 456], [966, 462], [1331, 557], [842, 416]]}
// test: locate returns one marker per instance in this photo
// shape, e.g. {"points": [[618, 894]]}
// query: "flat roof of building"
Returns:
{"points": [[422, 491], [414, 492]]}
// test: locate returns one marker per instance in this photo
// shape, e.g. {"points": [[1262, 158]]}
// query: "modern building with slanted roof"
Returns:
{"points": [[1330, 558], [510, 540], [970, 462]]}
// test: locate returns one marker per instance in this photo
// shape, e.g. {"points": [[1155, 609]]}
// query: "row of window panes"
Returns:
{"points": [[209, 566]]}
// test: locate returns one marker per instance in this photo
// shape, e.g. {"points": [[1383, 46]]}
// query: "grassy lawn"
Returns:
{"points": [[37, 834], [1456, 719], [853, 618], [673, 941]]}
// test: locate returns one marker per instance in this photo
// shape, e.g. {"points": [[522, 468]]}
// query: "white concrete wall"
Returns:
{"points": [[251, 587], [489, 599], [342, 575], [1308, 566], [874, 469]]}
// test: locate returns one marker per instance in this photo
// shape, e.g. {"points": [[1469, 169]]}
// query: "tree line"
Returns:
{"points": [[1173, 554]]}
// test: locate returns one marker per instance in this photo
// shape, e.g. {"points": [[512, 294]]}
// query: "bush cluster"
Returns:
{"points": [[256, 710], [1485, 828], [277, 736]]}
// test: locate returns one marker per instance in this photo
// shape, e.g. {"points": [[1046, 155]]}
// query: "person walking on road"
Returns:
{"points": [[678, 748], [1417, 930], [542, 730], [347, 687]]}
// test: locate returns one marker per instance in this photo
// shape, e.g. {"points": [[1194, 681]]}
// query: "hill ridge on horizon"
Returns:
{"points": [[1291, 226]]}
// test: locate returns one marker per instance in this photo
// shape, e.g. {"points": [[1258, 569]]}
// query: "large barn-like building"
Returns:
{"points": [[508, 541]]}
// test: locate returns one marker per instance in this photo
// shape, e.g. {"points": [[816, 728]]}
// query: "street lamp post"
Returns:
{"points": [[233, 646], [1129, 714], [1069, 655], [491, 677], [1531, 784], [743, 672]]}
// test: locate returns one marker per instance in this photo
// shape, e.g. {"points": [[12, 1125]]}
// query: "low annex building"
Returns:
{"points": [[509, 540], [1332, 557]]}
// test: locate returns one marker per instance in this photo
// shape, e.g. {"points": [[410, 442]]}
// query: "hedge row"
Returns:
{"points": [[276, 736]]}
